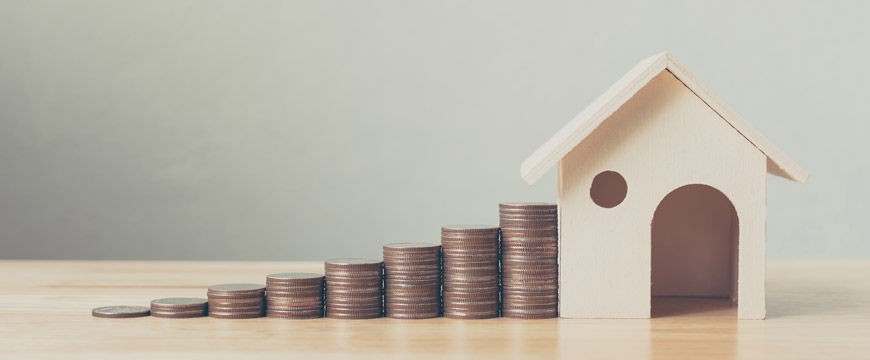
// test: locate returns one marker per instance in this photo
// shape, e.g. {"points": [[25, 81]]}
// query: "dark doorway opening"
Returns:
{"points": [[694, 252]]}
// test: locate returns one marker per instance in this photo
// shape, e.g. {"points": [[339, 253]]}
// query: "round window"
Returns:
{"points": [[608, 189]]}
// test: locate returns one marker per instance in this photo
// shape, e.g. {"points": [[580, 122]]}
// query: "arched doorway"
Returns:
{"points": [[694, 251]]}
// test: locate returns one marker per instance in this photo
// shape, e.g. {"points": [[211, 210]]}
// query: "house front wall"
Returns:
{"points": [[663, 138]]}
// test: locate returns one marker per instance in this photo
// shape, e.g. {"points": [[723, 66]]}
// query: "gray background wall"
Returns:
{"points": [[303, 130]]}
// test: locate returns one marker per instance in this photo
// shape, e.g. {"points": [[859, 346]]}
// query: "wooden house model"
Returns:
{"points": [[661, 193]]}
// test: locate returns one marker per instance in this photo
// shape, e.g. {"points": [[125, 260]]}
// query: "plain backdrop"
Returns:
{"points": [[305, 130]]}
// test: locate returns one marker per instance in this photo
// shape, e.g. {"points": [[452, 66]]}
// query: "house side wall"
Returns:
{"points": [[661, 139]]}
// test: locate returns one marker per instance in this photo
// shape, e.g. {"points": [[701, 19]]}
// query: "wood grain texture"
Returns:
{"points": [[576, 131], [816, 310], [662, 139]]}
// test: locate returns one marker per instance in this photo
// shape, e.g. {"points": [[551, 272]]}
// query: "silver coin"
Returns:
{"points": [[120, 311]]}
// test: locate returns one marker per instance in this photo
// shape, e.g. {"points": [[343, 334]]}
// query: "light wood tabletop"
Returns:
{"points": [[815, 310]]}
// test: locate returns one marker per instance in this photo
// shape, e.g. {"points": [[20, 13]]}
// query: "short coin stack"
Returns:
{"points": [[236, 301], [470, 256], [294, 296], [529, 260], [120, 311], [412, 280], [179, 308], [354, 288]]}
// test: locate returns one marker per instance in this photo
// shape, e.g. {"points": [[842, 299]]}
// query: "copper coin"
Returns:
{"points": [[412, 301], [353, 316], [413, 292], [538, 241], [459, 239], [411, 246], [234, 298], [293, 306], [346, 264], [317, 298], [179, 314], [353, 282], [179, 303], [513, 306], [353, 278], [530, 299], [413, 308], [528, 223], [448, 295], [341, 286], [345, 309], [247, 309], [412, 282], [469, 228], [376, 313], [528, 290], [527, 216], [354, 301], [290, 290], [246, 302], [528, 205], [299, 315], [431, 271], [236, 315], [529, 233], [293, 317], [293, 287], [350, 290], [513, 315], [399, 276], [411, 316], [237, 289], [412, 257], [286, 308], [303, 312], [470, 316], [120, 311], [295, 277], [294, 296]]}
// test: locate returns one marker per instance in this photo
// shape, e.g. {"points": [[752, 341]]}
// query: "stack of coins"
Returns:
{"points": [[529, 260], [179, 308], [412, 280], [236, 301], [354, 288], [294, 296], [470, 255]]}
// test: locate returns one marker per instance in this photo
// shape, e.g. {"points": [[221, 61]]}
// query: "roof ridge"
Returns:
{"points": [[546, 156]]}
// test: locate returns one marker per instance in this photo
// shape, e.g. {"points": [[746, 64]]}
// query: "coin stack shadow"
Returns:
{"points": [[529, 260], [236, 301], [412, 280], [470, 256], [354, 288], [294, 296], [179, 308]]}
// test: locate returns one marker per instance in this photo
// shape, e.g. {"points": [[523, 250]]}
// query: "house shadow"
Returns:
{"points": [[684, 306]]}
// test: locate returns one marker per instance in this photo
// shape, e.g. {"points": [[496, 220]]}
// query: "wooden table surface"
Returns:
{"points": [[815, 310]]}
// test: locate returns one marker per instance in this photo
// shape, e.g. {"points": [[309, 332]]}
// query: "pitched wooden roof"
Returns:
{"points": [[549, 154]]}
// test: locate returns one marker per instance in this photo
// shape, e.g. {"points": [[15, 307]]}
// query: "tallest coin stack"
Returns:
{"points": [[529, 260]]}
